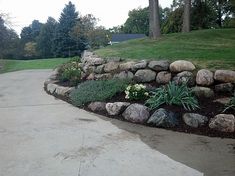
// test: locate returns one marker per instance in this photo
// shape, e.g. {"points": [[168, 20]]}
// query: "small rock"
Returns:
{"points": [[139, 65], [225, 87], [97, 106], [163, 77], [99, 69], [204, 77], [203, 92], [116, 108], [103, 76], [194, 120], [159, 65], [181, 65], [226, 76], [136, 113], [163, 118], [223, 122], [145, 75], [184, 77], [124, 75], [111, 67], [126, 66]]}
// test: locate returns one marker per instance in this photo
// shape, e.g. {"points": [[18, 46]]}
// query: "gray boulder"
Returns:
{"points": [[136, 113], [181, 65], [116, 108], [111, 67], [203, 92], [163, 77], [159, 65], [104, 76], [126, 66], [97, 106], [223, 122], [226, 76], [194, 120], [95, 61], [204, 77], [124, 75], [51, 88], [139, 65], [225, 87], [99, 69], [163, 118], [145, 75], [184, 77]]}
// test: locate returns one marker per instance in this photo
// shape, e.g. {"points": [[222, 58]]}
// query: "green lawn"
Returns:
{"points": [[15, 65], [213, 48]]}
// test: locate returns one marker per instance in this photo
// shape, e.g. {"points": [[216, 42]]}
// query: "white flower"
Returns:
{"points": [[146, 94], [126, 97]]}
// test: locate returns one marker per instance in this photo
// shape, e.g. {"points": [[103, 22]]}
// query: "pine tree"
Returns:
{"points": [[65, 45]]}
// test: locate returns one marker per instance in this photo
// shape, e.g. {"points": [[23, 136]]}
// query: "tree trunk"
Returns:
{"points": [[154, 20], [186, 16], [220, 13]]}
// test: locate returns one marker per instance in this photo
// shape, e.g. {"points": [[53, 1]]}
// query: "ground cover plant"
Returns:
{"points": [[92, 91]]}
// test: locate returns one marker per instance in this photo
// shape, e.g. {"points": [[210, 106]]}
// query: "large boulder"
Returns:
{"points": [[95, 61], [223, 122], [181, 65], [51, 88], [116, 108], [99, 69], [163, 118], [225, 87], [194, 120], [163, 77], [145, 75], [159, 65], [203, 92], [136, 113], [140, 65], [226, 76], [126, 66], [124, 75], [204, 77], [111, 67], [63, 91], [184, 77], [97, 106], [104, 76]]}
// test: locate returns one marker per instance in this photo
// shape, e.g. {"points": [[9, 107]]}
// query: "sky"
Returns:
{"points": [[109, 12]]}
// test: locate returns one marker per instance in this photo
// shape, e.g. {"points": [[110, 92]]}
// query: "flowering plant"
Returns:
{"points": [[136, 92]]}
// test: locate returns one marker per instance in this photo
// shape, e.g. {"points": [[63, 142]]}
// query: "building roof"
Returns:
{"points": [[125, 37]]}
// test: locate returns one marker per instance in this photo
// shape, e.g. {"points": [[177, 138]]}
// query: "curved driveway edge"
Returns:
{"points": [[41, 135]]}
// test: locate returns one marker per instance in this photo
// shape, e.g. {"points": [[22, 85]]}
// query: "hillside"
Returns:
{"points": [[214, 48]]}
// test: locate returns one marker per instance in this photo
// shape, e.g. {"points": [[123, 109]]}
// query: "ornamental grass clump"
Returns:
{"points": [[136, 92], [231, 104], [173, 94]]}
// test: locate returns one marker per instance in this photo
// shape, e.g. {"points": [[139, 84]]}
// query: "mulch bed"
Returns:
{"points": [[208, 108]]}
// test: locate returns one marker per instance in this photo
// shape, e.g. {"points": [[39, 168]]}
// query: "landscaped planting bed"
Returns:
{"points": [[161, 94]]}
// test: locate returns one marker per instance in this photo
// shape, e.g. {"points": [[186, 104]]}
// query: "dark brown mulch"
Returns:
{"points": [[208, 108]]}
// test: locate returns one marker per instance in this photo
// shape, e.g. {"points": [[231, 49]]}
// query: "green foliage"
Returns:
{"points": [[91, 91], [70, 72], [173, 95], [231, 104], [136, 92]]}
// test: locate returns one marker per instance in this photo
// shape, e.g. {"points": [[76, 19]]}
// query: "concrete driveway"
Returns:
{"points": [[44, 136]]}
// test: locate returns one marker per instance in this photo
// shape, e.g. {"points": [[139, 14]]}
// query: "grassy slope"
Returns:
{"points": [[15, 65], [206, 48]]}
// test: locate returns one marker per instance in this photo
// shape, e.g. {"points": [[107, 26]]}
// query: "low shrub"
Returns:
{"points": [[136, 92], [70, 72], [173, 94], [91, 91]]}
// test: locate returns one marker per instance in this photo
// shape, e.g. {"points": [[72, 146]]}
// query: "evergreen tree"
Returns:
{"points": [[65, 45], [46, 38]]}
